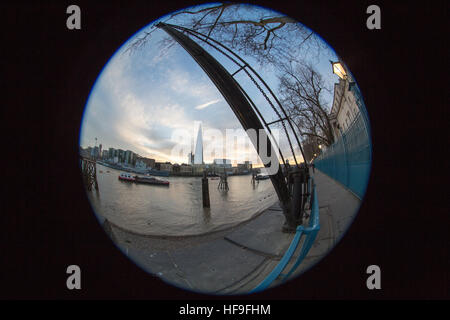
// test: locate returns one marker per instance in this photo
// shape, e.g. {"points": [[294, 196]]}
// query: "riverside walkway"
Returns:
{"points": [[236, 260]]}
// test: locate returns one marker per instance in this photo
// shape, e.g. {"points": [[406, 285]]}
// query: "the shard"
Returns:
{"points": [[198, 155]]}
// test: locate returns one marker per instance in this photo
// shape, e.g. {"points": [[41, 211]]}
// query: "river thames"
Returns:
{"points": [[177, 210]]}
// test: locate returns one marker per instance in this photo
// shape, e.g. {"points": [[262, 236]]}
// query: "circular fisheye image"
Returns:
{"points": [[225, 148]]}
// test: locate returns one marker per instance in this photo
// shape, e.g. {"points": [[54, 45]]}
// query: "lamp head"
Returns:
{"points": [[339, 70]]}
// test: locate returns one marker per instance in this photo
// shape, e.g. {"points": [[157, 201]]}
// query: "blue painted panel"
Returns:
{"points": [[348, 160]]}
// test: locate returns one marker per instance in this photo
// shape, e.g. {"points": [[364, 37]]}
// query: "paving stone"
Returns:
{"points": [[263, 234], [215, 265]]}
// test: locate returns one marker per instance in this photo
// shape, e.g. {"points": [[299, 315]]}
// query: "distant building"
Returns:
{"points": [[144, 163], [163, 166], [105, 154], [244, 167], [128, 157], [186, 168], [222, 163], [140, 164], [166, 166], [110, 153], [121, 155], [198, 168], [95, 152]]}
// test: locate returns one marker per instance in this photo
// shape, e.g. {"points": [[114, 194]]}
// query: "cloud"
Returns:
{"points": [[207, 104]]}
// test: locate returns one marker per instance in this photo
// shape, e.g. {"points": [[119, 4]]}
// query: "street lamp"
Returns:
{"points": [[339, 70]]}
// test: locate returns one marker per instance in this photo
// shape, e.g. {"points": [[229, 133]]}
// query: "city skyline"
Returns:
{"points": [[106, 149]]}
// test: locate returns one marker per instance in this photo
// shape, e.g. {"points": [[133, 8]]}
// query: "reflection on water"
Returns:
{"points": [[177, 210]]}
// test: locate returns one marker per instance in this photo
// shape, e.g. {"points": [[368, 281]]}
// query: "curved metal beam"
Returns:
{"points": [[245, 64]]}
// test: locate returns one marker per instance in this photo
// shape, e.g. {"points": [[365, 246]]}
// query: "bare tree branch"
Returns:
{"points": [[215, 22], [301, 87], [267, 37]]}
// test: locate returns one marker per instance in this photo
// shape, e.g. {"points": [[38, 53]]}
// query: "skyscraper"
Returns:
{"points": [[198, 155], [190, 158]]}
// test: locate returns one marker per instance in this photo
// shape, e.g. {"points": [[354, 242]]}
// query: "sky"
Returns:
{"points": [[152, 101]]}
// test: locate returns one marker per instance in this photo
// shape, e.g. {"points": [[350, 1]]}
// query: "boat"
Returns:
{"points": [[262, 177], [125, 176], [151, 180]]}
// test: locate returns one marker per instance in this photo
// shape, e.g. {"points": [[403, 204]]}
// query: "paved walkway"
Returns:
{"points": [[234, 261], [337, 209]]}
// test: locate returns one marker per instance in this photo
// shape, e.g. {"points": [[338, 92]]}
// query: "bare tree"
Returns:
{"points": [[301, 89], [265, 35]]}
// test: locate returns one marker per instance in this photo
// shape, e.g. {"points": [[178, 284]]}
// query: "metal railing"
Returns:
{"points": [[89, 172], [308, 233]]}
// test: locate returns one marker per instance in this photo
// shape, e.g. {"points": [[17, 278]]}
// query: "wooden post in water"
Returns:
{"points": [[253, 176], [205, 191], [223, 184]]}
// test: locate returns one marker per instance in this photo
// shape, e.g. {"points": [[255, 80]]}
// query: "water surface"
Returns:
{"points": [[177, 210]]}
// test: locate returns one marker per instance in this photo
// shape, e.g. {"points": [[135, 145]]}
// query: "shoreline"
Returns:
{"points": [[180, 237], [228, 261], [170, 174]]}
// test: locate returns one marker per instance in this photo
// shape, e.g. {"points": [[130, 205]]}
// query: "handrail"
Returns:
{"points": [[310, 232]]}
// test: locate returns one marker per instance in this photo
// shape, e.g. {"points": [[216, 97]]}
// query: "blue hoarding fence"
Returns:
{"points": [[348, 160]]}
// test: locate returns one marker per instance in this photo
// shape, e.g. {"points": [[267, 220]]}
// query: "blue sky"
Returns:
{"points": [[139, 100]]}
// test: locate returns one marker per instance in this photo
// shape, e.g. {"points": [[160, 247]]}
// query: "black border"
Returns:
{"points": [[46, 219]]}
